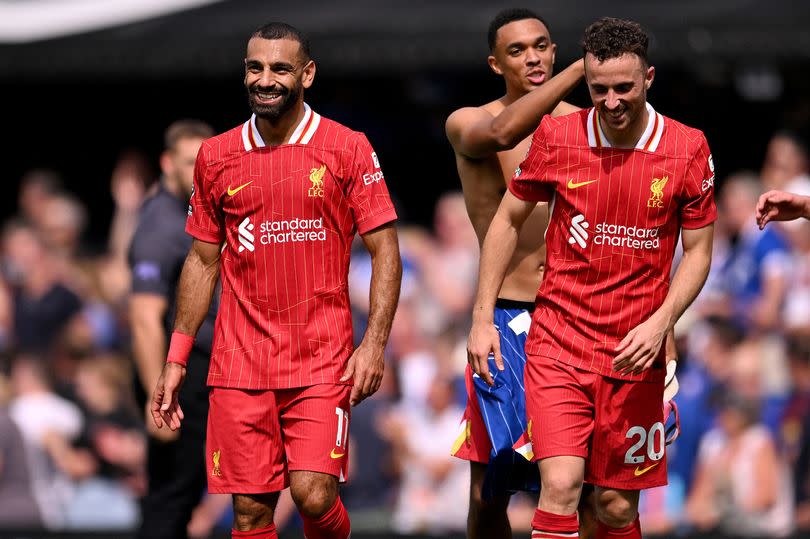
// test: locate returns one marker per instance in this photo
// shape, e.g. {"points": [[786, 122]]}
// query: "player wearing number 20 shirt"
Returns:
{"points": [[287, 215], [616, 215]]}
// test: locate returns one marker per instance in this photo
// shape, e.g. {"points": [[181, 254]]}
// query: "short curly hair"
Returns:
{"points": [[610, 38]]}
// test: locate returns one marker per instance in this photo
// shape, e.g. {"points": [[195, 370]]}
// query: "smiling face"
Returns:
{"points": [[618, 88], [523, 54], [276, 73]]}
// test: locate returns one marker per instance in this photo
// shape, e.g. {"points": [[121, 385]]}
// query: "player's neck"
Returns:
{"points": [[512, 95], [278, 131], [627, 138]]}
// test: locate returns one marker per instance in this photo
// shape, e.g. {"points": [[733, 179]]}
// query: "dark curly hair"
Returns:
{"points": [[610, 38], [505, 17]]}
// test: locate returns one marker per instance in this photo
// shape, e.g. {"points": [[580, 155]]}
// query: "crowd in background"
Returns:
{"points": [[72, 435]]}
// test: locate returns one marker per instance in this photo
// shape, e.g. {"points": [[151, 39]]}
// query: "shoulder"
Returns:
{"points": [[333, 135], [683, 138], [566, 130], [225, 146], [467, 116], [563, 109]]}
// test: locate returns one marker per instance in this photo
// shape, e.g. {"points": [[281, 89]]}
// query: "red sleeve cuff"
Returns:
{"points": [[203, 235], [377, 220], [530, 192], [694, 224]]}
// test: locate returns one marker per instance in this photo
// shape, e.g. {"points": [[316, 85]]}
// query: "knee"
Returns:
{"points": [[252, 512], [617, 509], [314, 496], [562, 488]]}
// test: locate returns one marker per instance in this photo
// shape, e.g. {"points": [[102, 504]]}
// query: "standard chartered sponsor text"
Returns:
{"points": [[626, 236], [291, 230]]}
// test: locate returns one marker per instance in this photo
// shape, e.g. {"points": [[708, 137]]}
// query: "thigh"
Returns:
{"points": [[315, 428], [244, 446], [628, 449], [559, 407]]}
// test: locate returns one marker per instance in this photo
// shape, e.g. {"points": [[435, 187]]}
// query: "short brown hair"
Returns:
{"points": [[183, 129], [611, 38]]}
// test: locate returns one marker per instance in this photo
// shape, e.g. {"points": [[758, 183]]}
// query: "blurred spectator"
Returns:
{"points": [[128, 188], [796, 427], [755, 272], [742, 487], [447, 264], [786, 164], [106, 461], [414, 357], [18, 507], [43, 305], [41, 415], [36, 188], [434, 487], [701, 372], [796, 314]]}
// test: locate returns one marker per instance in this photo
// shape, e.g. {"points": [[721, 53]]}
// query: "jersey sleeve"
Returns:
{"points": [[531, 179], [204, 220], [698, 208], [151, 258], [366, 190]]}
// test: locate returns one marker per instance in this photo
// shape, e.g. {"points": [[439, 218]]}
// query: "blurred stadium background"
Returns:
{"points": [[88, 88]]}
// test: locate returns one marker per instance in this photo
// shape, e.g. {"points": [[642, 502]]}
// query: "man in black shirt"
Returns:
{"points": [[176, 466]]}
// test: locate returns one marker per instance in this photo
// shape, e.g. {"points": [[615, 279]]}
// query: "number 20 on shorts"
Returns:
{"points": [[635, 455]]}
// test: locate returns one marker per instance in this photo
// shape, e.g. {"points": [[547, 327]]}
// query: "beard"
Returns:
{"points": [[289, 96]]}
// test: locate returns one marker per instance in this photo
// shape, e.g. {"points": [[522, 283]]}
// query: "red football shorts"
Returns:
{"points": [[616, 426], [472, 441], [256, 437]]}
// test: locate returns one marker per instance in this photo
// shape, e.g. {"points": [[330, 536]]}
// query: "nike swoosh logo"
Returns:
{"points": [[336, 455], [573, 185], [232, 192], [645, 470]]}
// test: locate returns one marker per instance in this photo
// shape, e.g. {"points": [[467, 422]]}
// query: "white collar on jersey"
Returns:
{"points": [[302, 134], [649, 139]]}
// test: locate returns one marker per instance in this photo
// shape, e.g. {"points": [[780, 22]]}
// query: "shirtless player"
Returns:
{"points": [[489, 143]]}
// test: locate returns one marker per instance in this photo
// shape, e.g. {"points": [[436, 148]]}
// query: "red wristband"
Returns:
{"points": [[180, 348]]}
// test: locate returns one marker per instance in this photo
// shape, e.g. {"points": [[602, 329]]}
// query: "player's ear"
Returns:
{"points": [[553, 53], [493, 65], [308, 74], [648, 79]]}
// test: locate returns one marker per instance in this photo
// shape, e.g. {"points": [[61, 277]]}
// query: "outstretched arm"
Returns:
{"points": [[781, 206], [499, 245], [367, 362], [194, 292], [638, 350], [475, 133]]}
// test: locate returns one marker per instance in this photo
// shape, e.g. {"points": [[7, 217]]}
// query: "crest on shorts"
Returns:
{"points": [[656, 199], [215, 457], [316, 177]]}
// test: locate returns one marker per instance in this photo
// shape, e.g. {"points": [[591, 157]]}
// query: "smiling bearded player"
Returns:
{"points": [[285, 194]]}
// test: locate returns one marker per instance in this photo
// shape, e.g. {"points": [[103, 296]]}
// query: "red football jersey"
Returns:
{"points": [[287, 215], [616, 216]]}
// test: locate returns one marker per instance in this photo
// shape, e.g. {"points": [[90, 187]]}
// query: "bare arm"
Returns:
{"points": [[475, 133], [639, 348], [196, 287], [499, 245], [194, 292], [781, 206], [367, 362]]}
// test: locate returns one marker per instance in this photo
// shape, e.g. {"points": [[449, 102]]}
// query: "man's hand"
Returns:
{"points": [[165, 406], [640, 347], [154, 432], [781, 206], [367, 365], [483, 340]]}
